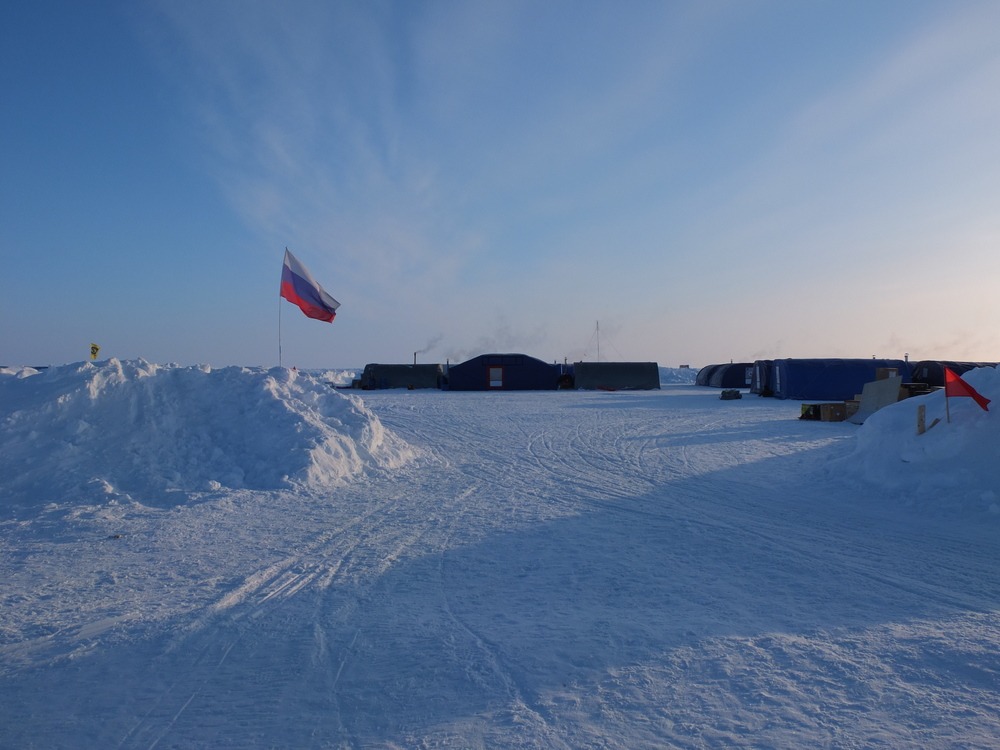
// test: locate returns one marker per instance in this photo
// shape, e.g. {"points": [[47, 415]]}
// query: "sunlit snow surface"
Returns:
{"points": [[250, 558], [144, 431]]}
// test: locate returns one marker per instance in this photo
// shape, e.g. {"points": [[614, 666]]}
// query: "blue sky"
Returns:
{"points": [[707, 180]]}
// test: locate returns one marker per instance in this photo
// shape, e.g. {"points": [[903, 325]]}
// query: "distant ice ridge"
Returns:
{"points": [[136, 430], [680, 375]]}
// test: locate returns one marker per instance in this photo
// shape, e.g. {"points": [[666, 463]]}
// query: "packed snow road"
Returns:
{"points": [[554, 570]]}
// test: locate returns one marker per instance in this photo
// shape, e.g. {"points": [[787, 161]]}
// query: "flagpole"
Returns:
{"points": [[947, 411], [301, 289], [279, 315]]}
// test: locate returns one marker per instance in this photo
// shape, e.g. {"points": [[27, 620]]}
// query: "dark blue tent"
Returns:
{"points": [[760, 377], [401, 376], [728, 375], [931, 372], [705, 374], [733, 375], [504, 372], [616, 376], [829, 379]]}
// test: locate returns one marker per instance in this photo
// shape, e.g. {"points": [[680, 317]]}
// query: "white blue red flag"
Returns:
{"points": [[300, 288]]}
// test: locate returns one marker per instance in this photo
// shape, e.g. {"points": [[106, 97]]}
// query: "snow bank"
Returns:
{"points": [[683, 375], [952, 463], [135, 430], [337, 377]]}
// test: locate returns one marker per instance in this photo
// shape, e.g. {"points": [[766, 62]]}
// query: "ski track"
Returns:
{"points": [[526, 594]]}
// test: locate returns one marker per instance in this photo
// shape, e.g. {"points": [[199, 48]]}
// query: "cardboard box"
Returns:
{"points": [[825, 412], [833, 412]]}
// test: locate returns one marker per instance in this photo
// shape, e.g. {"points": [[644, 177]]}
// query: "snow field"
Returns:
{"points": [[571, 569]]}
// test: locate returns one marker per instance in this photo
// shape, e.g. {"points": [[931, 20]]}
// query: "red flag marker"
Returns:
{"points": [[955, 386]]}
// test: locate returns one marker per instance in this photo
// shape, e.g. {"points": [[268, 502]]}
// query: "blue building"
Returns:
{"points": [[829, 379]]}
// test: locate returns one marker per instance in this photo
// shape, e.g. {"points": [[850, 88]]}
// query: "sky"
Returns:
{"points": [[684, 182]]}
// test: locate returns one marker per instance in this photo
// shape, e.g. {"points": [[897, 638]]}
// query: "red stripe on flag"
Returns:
{"points": [[300, 288]]}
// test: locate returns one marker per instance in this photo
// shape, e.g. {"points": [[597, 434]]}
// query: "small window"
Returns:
{"points": [[496, 377]]}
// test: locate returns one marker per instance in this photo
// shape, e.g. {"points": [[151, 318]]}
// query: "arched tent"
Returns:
{"points": [[733, 375], [616, 376], [504, 372], [727, 375], [931, 372], [760, 377], [705, 373], [376, 376], [829, 379]]}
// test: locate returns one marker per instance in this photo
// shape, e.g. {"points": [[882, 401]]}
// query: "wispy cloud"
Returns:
{"points": [[945, 61], [501, 160]]}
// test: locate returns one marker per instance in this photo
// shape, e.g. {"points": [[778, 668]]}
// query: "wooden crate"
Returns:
{"points": [[825, 412], [833, 412]]}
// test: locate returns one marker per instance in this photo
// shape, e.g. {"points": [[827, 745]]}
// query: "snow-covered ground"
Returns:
{"points": [[212, 558]]}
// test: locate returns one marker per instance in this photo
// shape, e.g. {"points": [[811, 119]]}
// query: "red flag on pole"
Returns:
{"points": [[955, 386]]}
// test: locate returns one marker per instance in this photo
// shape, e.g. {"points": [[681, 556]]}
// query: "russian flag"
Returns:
{"points": [[300, 288]]}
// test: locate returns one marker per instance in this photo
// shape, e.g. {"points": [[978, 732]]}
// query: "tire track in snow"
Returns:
{"points": [[484, 660], [887, 557], [655, 474], [246, 616], [616, 464], [538, 463]]}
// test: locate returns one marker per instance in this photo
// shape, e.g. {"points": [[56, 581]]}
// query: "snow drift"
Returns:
{"points": [[135, 430], [952, 464]]}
